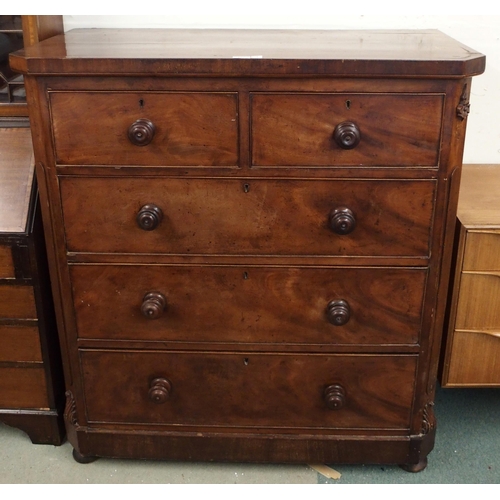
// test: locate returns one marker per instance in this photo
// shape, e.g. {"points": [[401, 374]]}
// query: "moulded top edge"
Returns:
{"points": [[251, 52]]}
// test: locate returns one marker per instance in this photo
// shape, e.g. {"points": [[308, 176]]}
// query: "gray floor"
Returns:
{"points": [[467, 451]]}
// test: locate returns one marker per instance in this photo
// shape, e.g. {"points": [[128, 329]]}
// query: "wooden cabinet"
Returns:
{"points": [[250, 237], [472, 345], [31, 378]]}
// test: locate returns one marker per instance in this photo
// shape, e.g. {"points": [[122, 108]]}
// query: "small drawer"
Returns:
{"points": [[145, 128], [478, 301], [346, 129], [23, 387], [475, 359], [7, 269], [249, 305], [20, 344], [249, 390], [17, 302], [482, 251], [248, 217]]}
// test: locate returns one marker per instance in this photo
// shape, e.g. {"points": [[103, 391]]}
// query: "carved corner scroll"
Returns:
{"points": [[70, 409], [429, 420], [463, 107]]}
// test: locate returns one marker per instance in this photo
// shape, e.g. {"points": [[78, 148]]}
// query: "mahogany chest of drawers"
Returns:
{"points": [[31, 379], [249, 234]]}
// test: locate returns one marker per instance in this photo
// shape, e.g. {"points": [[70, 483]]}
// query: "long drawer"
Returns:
{"points": [[248, 390], [145, 128], [252, 217], [249, 304], [346, 129]]}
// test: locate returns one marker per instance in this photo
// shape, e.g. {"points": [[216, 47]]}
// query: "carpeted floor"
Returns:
{"points": [[467, 451]]}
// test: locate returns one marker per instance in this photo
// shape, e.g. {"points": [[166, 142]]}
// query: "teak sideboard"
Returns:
{"points": [[250, 237], [471, 348]]}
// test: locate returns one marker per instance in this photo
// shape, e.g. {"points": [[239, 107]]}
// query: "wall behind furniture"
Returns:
{"points": [[481, 32]]}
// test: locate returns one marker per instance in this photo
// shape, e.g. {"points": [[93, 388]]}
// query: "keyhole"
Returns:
{"points": [[348, 104], [141, 103], [246, 188], [245, 361], [245, 275]]}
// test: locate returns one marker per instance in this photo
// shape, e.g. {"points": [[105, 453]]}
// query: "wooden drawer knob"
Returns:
{"points": [[141, 132], [347, 135], [334, 396], [342, 220], [338, 312], [149, 217], [159, 390], [153, 305]]}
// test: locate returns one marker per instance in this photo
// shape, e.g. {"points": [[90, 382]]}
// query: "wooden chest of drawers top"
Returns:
{"points": [[251, 52]]}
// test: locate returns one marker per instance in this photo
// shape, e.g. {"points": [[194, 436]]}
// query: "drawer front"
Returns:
{"points": [[17, 302], [7, 269], [303, 129], [482, 251], [248, 390], [479, 302], [23, 388], [249, 305], [475, 359], [19, 344], [184, 129], [254, 217]]}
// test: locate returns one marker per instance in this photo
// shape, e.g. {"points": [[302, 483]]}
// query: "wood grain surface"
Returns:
{"points": [[249, 390], [282, 305], [254, 217]]}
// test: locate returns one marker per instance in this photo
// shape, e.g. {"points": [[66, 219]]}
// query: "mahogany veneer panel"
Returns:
{"points": [[385, 304], [227, 389], [195, 128], [298, 129], [248, 217]]}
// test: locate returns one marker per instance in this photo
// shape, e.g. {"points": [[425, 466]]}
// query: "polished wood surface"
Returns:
{"points": [[299, 129], [472, 345], [16, 177], [279, 217], [249, 390], [190, 128], [277, 297], [277, 52], [258, 304]]}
